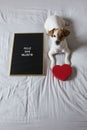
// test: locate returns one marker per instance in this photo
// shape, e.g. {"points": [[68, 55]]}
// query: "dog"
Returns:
{"points": [[55, 28]]}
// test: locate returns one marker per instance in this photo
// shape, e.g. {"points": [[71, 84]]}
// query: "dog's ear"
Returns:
{"points": [[50, 33], [63, 33]]}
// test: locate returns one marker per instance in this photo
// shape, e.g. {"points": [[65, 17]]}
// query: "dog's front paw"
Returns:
{"points": [[67, 62], [52, 65]]}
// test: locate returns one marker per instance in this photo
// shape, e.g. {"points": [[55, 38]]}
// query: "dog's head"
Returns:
{"points": [[58, 35]]}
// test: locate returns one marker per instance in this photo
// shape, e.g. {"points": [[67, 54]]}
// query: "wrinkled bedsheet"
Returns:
{"points": [[44, 100]]}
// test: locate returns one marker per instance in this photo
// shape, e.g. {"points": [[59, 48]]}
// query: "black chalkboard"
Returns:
{"points": [[27, 54]]}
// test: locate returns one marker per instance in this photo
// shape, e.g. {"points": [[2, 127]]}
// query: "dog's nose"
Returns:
{"points": [[57, 42]]}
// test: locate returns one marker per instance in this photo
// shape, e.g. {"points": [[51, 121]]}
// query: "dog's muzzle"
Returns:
{"points": [[57, 42]]}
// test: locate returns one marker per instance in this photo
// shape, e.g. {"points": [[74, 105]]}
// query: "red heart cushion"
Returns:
{"points": [[62, 72]]}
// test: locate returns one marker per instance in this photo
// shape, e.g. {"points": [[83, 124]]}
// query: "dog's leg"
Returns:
{"points": [[67, 56], [50, 54], [67, 53]]}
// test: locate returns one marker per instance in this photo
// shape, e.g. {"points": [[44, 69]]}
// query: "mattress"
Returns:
{"points": [[43, 102]]}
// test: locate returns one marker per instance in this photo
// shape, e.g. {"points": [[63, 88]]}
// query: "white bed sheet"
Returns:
{"points": [[43, 102]]}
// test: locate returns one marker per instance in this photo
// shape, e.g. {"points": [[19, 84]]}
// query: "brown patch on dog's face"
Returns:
{"points": [[51, 32], [62, 33]]}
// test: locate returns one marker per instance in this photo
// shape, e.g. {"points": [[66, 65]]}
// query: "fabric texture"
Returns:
{"points": [[44, 101]]}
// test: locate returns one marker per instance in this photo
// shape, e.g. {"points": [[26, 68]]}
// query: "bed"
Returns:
{"points": [[43, 102]]}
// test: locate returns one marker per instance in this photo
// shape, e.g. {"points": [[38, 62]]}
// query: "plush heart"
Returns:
{"points": [[62, 72]]}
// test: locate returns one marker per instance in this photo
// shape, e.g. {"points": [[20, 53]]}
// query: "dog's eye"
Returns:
{"points": [[54, 35]]}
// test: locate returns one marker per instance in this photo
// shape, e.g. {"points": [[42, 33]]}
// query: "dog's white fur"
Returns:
{"points": [[56, 22]]}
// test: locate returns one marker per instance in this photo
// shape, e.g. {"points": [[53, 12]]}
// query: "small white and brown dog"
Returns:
{"points": [[55, 28]]}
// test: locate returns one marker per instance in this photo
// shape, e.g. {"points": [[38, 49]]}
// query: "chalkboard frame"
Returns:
{"points": [[12, 52]]}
